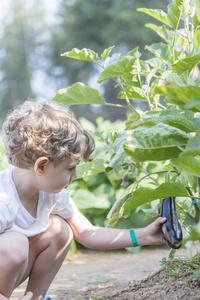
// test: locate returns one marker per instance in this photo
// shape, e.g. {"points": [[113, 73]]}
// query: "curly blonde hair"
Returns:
{"points": [[44, 129]]}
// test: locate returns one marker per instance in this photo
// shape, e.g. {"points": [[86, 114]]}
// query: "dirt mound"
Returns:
{"points": [[162, 286], [157, 286]]}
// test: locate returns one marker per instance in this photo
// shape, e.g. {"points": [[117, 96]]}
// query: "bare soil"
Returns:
{"points": [[121, 275]]}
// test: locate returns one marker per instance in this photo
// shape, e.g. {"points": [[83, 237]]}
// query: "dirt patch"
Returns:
{"points": [[162, 286], [158, 286], [121, 275]]}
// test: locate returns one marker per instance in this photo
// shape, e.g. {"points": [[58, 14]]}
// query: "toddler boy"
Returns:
{"points": [[38, 220]]}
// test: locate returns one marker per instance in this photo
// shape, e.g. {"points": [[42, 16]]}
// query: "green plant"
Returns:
{"points": [[180, 266], [94, 195], [160, 147], [3, 159], [83, 297]]}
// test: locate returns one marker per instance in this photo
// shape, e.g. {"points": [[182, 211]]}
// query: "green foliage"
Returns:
{"points": [[84, 54], [95, 191], [158, 148], [80, 297], [3, 158], [79, 92], [180, 266]]}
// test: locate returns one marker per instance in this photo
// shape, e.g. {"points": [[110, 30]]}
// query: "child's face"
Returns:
{"points": [[56, 178]]}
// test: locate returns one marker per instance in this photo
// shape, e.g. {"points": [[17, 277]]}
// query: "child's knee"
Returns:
{"points": [[62, 231], [14, 248]]}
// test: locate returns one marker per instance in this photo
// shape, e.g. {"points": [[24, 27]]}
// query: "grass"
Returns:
{"points": [[83, 297], [178, 266]]}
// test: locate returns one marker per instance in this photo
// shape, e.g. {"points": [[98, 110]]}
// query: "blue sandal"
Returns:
{"points": [[47, 298]]}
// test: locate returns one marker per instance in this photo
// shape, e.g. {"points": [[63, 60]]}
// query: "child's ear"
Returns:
{"points": [[40, 165]]}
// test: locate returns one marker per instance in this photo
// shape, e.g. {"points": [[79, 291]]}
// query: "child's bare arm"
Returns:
{"points": [[109, 238]]}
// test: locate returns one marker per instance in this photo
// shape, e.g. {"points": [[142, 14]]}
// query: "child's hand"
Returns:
{"points": [[27, 296], [153, 232]]}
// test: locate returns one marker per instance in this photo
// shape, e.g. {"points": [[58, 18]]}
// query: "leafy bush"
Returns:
{"points": [[160, 147], [3, 158], [95, 195]]}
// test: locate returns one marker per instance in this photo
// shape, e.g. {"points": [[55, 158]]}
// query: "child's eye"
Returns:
{"points": [[71, 169]]}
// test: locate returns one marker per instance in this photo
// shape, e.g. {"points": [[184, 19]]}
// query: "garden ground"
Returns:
{"points": [[121, 275]]}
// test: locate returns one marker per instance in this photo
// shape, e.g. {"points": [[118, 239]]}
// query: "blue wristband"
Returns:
{"points": [[133, 237]]}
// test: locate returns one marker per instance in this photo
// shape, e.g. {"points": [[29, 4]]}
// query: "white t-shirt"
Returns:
{"points": [[14, 216]]}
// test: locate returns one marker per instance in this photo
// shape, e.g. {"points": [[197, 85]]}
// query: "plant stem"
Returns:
{"points": [[126, 97], [188, 34], [116, 105], [149, 174], [149, 102], [197, 213], [183, 209], [197, 210], [174, 38], [129, 104], [161, 106]]}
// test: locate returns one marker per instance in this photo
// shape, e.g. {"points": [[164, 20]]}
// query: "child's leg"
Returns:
{"points": [[14, 249], [47, 252]]}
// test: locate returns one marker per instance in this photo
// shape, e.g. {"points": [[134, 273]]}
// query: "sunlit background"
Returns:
{"points": [[34, 33]]}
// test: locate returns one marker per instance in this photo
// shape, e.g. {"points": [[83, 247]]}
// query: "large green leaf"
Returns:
{"points": [[155, 62], [134, 52], [186, 64], [90, 168], [193, 145], [174, 13], [114, 70], [131, 74], [106, 52], [197, 9], [115, 214], [132, 92], [195, 232], [180, 122], [159, 142], [187, 164], [193, 103], [79, 93], [188, 180], [187, 8], [196, 45], [135, 68], [158, 14], [116, 57], [150, 214], [155, 154], [160, 50], [118, 157], [178, 93], [195, 21], [171, 116], [144, 195], [181, 80], [160, 30], [83, 54]]}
